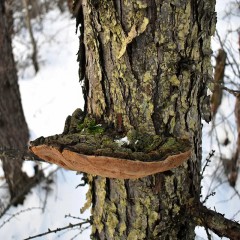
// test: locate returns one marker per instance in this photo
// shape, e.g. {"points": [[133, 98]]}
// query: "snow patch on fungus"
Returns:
{"points": [[122, 141]]}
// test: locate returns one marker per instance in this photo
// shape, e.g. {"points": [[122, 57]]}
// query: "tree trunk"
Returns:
{"points": [[146, 66], [30, 30], [13, 128]]}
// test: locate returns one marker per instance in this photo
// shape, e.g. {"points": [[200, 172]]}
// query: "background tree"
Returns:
{"points": [[13, 127], [145, 66], [227, 74]]}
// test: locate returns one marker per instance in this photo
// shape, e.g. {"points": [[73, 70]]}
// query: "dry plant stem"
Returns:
{"points": [[108, 166]]}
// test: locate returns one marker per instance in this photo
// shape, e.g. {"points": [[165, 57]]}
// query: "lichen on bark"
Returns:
{"points": [[146, 66], [158, 85]]}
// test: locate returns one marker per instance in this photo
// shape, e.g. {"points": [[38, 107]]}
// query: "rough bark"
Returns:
{"points": [[147, 63], [13, 128]]}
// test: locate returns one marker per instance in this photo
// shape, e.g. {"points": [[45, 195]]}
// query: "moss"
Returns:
{"points": [[122, 228], [112, 220], [176, 208], [89, 125], [152, 218], [174, 145], [133, 235], [147, 76], [174, 81], [100, 191], [88, 202], [155, 142], [141, 4]]}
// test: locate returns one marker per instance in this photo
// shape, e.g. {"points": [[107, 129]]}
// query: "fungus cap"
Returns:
{"points": [[104, 166]]}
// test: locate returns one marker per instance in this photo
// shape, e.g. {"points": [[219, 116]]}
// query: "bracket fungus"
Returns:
{"points": [[105, 166], [89, 146]]}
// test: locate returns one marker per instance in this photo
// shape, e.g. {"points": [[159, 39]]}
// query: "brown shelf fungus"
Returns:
{"points": [[105, 166], [90, 146]]}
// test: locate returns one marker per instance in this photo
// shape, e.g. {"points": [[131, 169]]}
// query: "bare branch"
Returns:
{"points": [[216, 222], [32, 182], [235, 93], [59, 229]]}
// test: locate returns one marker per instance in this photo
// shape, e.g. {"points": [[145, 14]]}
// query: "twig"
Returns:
{"points": [[70, 216], [18, 213], [33, 181], [75, 236], [235, 93], [59, 229], [208, 160], [208, 196], [207, 232]]}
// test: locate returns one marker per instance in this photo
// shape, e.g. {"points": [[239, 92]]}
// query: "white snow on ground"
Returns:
{"points": [[54, 93]]}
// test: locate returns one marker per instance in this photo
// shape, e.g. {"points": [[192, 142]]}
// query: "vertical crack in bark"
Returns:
{"points": [[129, 200], [105, 81], [81, 52], [108, 189]]}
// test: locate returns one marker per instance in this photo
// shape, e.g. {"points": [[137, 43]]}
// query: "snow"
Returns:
{"points": [[52, 94], [122, 141]]}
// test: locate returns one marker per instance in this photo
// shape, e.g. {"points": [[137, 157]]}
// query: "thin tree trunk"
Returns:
{"points": [[13, 128], [147, 63], [33, 41]]}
